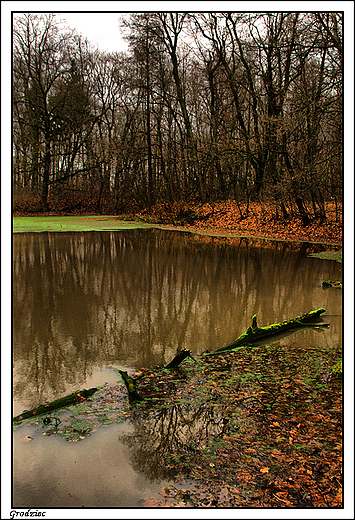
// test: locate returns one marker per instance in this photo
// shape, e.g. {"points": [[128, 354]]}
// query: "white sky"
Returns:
{"points": [[98, 21], [101, 29]]}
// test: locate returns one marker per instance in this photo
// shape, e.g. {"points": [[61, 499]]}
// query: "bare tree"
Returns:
{"points": [[205, 105], [53, 100]]}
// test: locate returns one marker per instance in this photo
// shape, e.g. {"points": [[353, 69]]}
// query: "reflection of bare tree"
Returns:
{"points": [[169, 432], [132, 298]]}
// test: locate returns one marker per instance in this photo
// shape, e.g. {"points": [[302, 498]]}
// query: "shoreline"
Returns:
{"points": [[230, 232]]}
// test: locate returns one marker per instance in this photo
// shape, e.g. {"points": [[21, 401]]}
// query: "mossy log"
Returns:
{"points": [[326, 284], [133, 394], [255, 333], [68, 400]]}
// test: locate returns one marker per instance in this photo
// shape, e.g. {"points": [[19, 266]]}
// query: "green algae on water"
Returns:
{"points": [[329, 255], [71, 224]]}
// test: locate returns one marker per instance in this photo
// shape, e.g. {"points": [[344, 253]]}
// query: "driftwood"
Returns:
{"points": [[133, 394], [255, 333], [73, 398]]}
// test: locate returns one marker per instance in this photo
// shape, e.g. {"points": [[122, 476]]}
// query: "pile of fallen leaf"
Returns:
{"points": [[271, 431], [256, 219]]}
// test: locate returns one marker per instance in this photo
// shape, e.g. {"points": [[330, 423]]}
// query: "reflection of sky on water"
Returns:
{"points": [[96, 472], [85, 301], [116, 466]]}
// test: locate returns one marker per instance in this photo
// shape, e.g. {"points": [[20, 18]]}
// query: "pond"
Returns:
{"points": [[85, 304]]}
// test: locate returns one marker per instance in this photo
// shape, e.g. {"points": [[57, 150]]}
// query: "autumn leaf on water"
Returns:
{"points": [[27, 438], [264, 470], [150, 502]]}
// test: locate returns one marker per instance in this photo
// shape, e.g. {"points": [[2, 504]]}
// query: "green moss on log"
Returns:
{"points": [[255, 333], [326, 284], [68, 400], [133, 394]]}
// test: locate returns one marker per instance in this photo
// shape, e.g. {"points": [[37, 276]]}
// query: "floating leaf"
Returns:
{"points": [[27, 438], [150, 502]]}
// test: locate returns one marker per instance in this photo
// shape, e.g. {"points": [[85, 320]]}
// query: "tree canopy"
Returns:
{"points": [[203, 106]]}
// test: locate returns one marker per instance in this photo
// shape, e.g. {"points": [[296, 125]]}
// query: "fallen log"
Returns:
{"points": [[68, 400], [133, 395], [255, 333]]}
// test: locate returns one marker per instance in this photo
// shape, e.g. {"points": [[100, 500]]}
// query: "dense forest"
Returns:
{"points": [[202, 107]]}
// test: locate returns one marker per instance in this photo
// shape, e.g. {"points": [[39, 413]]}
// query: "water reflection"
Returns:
{"points": [[116, 467], [169, 432], [131, 298]]}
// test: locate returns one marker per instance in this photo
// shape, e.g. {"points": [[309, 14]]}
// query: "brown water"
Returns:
{"points": [[85, 302]]}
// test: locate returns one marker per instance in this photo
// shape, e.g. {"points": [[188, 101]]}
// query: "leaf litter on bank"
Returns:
{"points": [[279, 409], [279, 443], [253, 219]]}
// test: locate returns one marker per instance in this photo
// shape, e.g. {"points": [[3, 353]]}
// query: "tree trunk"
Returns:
{"points": [[46, 173], [149, 137]]}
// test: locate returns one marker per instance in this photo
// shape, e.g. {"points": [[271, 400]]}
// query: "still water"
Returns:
{"points": [[85, 303]]}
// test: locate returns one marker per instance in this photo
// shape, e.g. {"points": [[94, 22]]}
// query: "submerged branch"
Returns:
{"points": [[179, 358], [133, 394]]}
